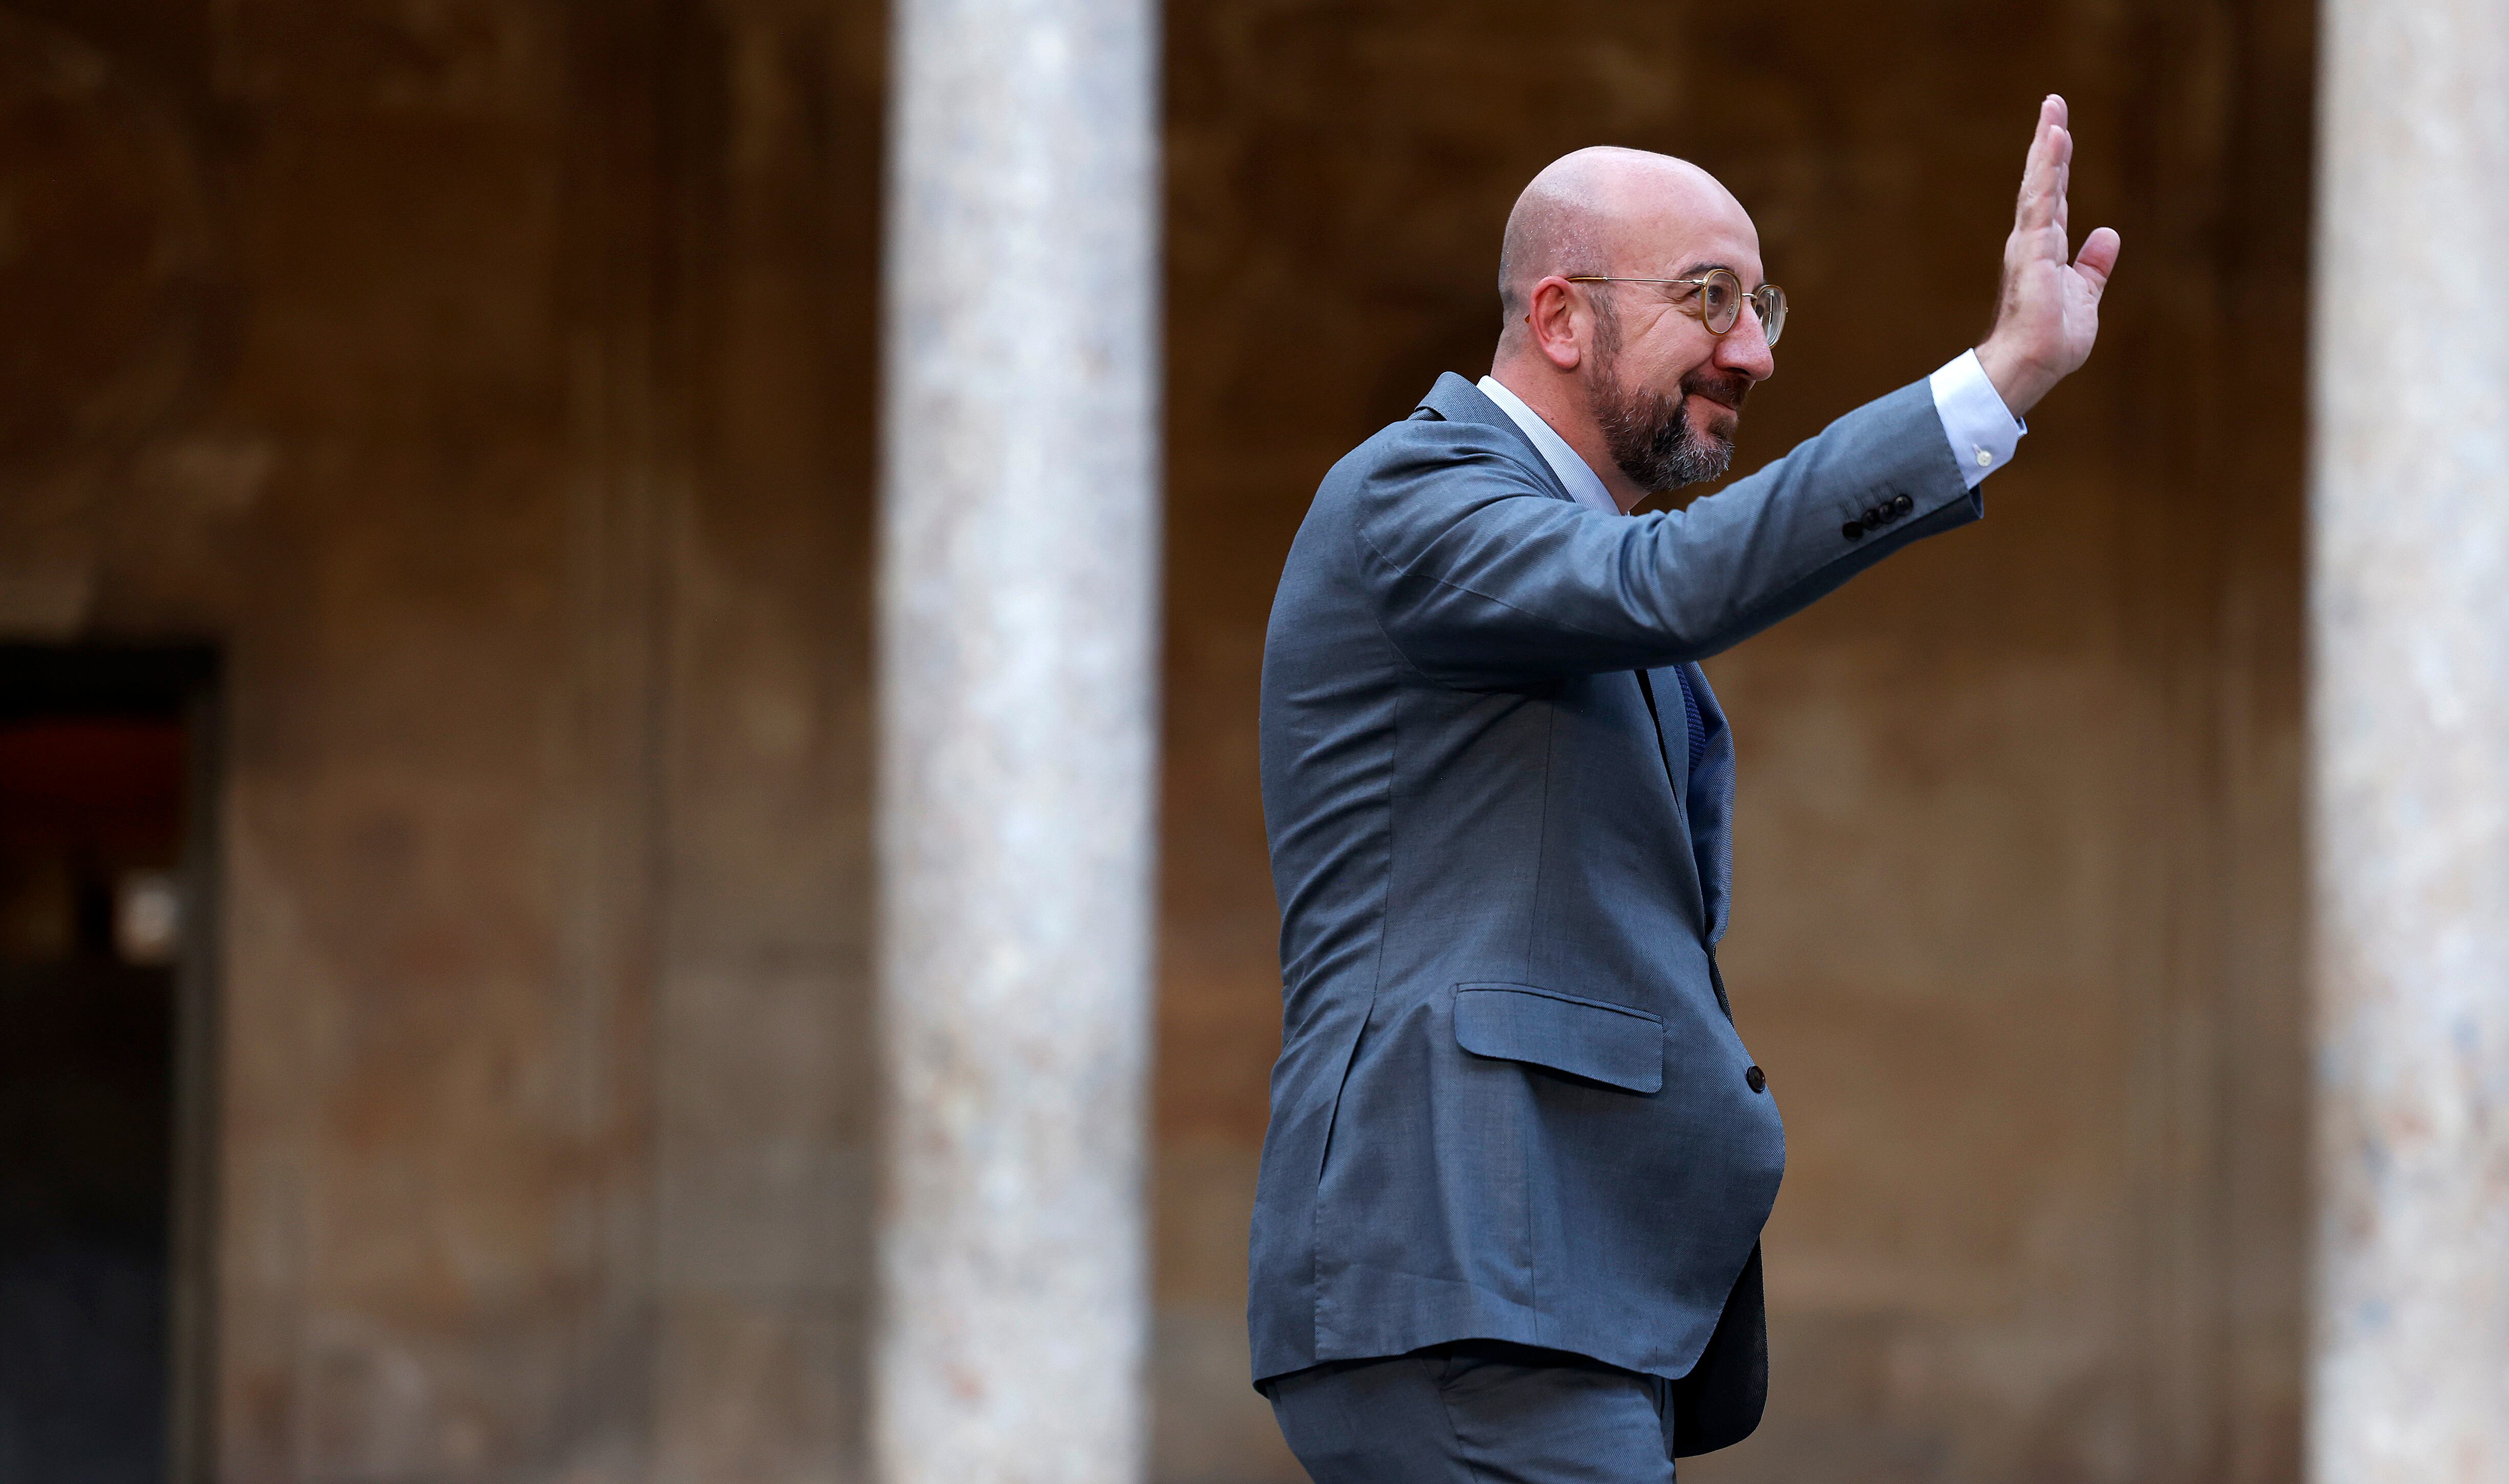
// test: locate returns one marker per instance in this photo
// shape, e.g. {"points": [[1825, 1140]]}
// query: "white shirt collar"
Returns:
{"points": [[1581, 479]]}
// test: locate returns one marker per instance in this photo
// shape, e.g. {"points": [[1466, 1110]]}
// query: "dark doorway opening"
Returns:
{"points": [[105, 813]]}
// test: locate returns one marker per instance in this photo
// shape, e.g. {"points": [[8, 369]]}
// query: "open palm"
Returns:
{"points": [[2048, 313]]}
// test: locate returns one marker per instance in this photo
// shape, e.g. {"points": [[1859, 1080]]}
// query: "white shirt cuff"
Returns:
{"points": [[1981, 431]]}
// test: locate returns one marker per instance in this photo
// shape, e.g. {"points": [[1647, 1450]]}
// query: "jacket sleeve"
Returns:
{"points": [[1482, 577]]}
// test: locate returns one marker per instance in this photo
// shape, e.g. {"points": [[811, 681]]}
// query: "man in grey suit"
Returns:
{"points": [[1519, 1161]]}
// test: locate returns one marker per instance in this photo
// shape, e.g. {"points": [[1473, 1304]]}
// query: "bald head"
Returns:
{"points": [[1630, 373], [1600, 211]]}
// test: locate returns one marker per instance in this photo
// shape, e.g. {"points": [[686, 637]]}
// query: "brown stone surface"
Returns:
{"points": [[507, 418], [529, 494]]}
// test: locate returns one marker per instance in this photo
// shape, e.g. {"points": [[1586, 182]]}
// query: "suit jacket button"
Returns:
{"points": [[1854, 529], [1758, 1079], [1903, 505]]}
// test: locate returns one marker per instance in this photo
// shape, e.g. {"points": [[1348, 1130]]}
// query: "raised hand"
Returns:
{"points": [[2049, 310]]}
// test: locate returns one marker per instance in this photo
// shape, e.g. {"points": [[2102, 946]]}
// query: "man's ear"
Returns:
{"points": [[1557, 322]]}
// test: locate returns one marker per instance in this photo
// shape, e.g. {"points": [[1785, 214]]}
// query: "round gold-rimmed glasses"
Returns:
{"points": [[1719, 301]]}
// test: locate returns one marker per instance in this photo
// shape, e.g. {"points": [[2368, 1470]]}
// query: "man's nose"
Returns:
{"points": [[1744, 349]]}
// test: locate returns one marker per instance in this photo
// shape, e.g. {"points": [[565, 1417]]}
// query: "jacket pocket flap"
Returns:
{"points": [[1604, 1043]]}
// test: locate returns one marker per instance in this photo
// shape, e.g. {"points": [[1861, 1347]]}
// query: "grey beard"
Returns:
{"points": [[1651, 441]]}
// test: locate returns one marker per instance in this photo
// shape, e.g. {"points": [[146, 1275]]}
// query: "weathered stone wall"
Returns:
{"points": [[493, 377], [506, 414]]}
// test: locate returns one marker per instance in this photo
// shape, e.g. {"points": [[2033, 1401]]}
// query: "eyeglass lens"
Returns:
{"points": [[1720, 304], [1770, 302], [1720, 299]]}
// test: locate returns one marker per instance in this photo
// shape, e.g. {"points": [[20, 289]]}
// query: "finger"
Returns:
{"points": [[2064, 177], [2036, 163], [2039, 173], [2099, 258]]}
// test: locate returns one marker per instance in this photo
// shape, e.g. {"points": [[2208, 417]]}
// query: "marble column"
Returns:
{"points": [[2410, 716], [1018, 603]]}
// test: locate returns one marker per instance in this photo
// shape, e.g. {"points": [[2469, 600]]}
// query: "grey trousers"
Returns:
{"points": [[1480, 1411]]}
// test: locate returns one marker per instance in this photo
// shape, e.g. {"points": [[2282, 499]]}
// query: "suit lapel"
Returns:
{"points": [[1710, 812], [1657, 698], [1458, 400]]}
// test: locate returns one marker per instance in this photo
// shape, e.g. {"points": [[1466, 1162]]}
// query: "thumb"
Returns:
{"points": [[2098, 258]]}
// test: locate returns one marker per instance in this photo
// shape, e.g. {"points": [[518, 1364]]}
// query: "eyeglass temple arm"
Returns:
{"points": [[1748, 293]]}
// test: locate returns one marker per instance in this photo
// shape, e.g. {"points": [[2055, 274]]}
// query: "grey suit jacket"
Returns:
{"points": [[1510, 1103]]}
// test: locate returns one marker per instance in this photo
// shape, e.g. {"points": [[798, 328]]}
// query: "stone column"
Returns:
{"points": [[2410, 715], [1018, 602]]}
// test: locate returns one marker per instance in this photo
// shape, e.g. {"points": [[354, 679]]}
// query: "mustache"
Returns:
{"points": [[1727, 387]]}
